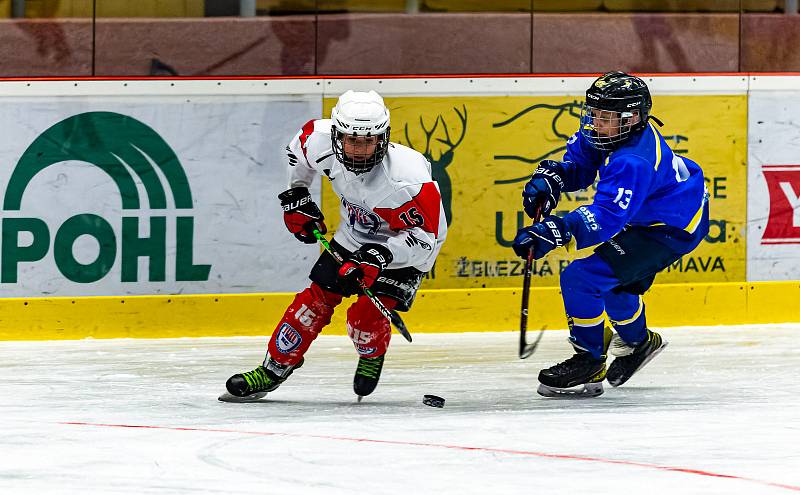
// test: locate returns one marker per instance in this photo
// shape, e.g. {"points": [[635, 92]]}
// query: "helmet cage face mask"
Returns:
{"points": [[352, 164], [606, 130]]}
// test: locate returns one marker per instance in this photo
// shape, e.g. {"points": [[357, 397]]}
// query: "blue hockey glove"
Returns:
{"points": [[542, 237], [544, 188]]}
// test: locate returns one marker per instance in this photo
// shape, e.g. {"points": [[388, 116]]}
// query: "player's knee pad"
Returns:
{"points": [[369, 330], [303, 320], [583, 275], [572, 277]]}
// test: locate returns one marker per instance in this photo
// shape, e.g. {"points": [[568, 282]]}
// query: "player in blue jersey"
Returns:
{"points": [[651, 208]]}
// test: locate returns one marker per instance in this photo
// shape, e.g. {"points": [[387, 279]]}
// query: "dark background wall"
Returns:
{"points": [[433, 43]]}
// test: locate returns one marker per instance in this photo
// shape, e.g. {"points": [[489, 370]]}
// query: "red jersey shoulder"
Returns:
{"points": [[423, 211], [305, 132]]}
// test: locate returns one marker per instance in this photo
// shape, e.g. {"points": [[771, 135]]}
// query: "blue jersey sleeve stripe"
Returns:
{"points": [[657, 144], [695, 219]]}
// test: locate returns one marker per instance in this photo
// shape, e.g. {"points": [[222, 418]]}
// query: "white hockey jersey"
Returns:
{"points": [[397, 204]]}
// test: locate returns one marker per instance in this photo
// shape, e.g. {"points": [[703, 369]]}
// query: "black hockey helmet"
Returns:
{"points": [[618, 97]]}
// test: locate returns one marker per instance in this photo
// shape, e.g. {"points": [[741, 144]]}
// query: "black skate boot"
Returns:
{"points": [[580, 375], [253, 385], [368, 373], [632, 359]]}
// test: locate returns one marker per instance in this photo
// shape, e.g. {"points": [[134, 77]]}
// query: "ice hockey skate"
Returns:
{"points": [[254, 385], [631, 359], [367, 375], [579, 376]]}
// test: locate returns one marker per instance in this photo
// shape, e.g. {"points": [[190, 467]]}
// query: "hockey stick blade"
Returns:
{"points": [[526, 350], [390, 314], [400, 325]]}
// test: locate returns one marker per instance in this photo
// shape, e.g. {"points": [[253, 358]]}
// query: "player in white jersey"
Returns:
{"points": [[391, 230]]}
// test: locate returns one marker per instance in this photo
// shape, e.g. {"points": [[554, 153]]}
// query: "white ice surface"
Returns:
{"points": [[716, 413]]}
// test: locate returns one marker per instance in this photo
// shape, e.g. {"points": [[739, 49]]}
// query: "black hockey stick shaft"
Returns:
{"points": [[526, 349], [388, 313]]}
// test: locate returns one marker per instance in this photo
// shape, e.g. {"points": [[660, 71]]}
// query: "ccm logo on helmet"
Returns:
{"points": [[369, 127]]}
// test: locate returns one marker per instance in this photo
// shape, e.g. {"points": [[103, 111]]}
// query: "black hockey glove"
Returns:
{"points": [[301, 215], [365, 264], [543, 189], [542, 237]]}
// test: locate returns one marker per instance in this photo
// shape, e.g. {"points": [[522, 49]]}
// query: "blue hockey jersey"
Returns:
{"points": [[641, 183]]}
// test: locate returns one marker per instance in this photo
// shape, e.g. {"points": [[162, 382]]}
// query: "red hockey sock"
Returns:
{"points": [[369, 330], [303, 320]]}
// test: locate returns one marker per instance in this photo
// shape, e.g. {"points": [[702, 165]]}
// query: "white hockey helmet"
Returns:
{"points": [[359, 113]]}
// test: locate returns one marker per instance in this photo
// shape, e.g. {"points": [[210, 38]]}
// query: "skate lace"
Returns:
{"points": [[566, 365], [369, 367], [257, 379]]}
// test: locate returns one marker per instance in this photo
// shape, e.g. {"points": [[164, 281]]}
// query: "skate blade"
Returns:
{"points": [[586, 390], [360, 398], [226, 397], [617, 383]]}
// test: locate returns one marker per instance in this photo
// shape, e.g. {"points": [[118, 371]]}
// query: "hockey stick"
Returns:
{"points": [[526, 349], [388, 313]]}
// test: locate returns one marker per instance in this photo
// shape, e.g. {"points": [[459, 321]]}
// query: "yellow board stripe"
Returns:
{"points": [[658, 145], [632, 318], [434, 311]]}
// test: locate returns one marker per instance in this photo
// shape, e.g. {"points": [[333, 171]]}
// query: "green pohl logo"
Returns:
{"points": [[109, 141]]}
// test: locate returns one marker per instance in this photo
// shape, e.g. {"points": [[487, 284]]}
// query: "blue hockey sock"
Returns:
{"points": [[587, 334], [626, 312], [633, 330]]}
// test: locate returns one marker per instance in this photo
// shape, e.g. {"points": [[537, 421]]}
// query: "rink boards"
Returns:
{"points": [[435, 310], [147, 208]]}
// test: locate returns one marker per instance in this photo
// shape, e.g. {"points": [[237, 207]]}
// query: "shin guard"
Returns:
{"points": [[303, 320], [369, 330]]}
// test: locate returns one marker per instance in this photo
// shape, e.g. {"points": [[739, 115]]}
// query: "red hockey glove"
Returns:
{"points": [[301, 215], [365, 264]]}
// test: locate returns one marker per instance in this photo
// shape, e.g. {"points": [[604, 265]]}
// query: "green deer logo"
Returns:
{"points": [[439, 164]]}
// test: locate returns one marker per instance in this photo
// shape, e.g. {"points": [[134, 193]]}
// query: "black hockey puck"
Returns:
{"points": [[433, 400]]}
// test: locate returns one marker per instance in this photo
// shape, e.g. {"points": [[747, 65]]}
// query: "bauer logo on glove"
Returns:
{"points": [[541, 237], [364, 266], [301, 214], [543, 190], [297, 204]]}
